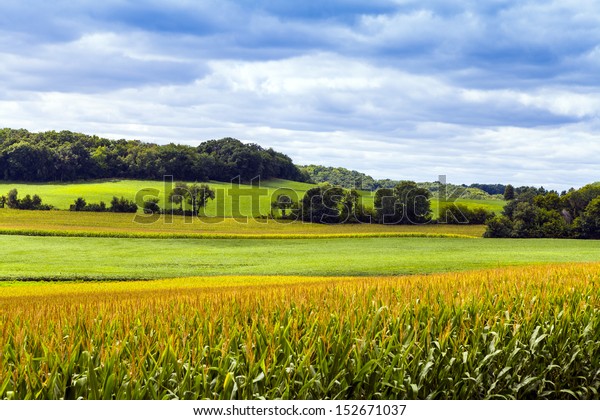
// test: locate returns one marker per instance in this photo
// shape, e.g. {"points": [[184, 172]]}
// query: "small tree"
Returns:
{"points": [[179, 193], [509, 192], [588, 224], [386, 210], [122, 205], [26, 203], [198, 196], [322, 204], [12, 199], [282, 203], [415, 202], [36, 201], [151, 206], [499, 227], [79, 204], [2, 201]]}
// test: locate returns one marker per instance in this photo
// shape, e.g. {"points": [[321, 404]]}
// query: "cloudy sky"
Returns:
{"points": [[481, 91]]}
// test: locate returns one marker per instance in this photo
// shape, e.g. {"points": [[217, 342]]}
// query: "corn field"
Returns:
{"points": [[525, 333]]}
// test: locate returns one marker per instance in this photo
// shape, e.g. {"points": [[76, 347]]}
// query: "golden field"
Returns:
{"points": [[527, 332]]}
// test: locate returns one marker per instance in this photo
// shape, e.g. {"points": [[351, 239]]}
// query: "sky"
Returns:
{"points": [[491, 91]]}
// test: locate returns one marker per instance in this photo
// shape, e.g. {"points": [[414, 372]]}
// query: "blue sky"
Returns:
{"points": [[481, 91]]}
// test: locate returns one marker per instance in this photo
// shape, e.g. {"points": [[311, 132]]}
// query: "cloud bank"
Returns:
{"points": [[495, 91]]}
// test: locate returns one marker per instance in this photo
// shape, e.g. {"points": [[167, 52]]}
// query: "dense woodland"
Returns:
{"points": [[67, 156], [346, 178], [536, 213]]}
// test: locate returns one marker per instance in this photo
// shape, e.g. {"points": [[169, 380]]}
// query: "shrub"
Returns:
{"points": [[122, 205], [151, 206], [28, 203], [499, 227], [452, 213], [81, 205]]}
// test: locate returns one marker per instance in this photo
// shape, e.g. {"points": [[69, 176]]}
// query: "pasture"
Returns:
{"points": [[31, 257]]}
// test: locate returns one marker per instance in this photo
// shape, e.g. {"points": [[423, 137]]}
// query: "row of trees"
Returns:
{"points": [[12, 201], [67, 156], [406, 203], [117, 205], [531, 213], [349, 179]]}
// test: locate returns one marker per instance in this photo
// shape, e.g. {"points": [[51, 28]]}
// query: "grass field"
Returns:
{"points": [[244, 201], [507, 333], [115, 258]]}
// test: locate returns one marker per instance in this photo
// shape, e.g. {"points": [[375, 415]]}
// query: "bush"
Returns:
{"points": [[28, 203], [178, 212], [122, 205], [98, 207], [81, 205], [151, 206], [452, 214], [499, 227]]}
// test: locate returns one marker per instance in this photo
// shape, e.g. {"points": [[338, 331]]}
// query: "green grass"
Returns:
{"points": [[111, 258], [230, 202]]}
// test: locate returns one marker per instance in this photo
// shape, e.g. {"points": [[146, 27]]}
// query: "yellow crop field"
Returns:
{"points": [[65, 223], [528, 332]]}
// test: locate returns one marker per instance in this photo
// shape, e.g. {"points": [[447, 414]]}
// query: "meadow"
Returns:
{"points": [[231, 200], [32, 257], [512, 333]]}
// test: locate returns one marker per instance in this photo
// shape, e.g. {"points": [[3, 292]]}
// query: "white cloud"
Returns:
{"points": [[480, 91]]}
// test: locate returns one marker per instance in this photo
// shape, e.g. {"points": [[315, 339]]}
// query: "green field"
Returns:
{"points": [[230, 201], [115, 258]]}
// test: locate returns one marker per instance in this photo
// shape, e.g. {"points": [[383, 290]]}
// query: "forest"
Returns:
{"points": [[66, 156], [536, 213]]}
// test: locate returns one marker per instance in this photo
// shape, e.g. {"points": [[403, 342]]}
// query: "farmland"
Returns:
{"points": [[63, 223], [107, 306], [229, 201], [504, 333], [117, 258]]}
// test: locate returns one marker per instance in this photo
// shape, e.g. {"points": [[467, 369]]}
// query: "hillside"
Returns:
{"points": [[347, 178], [67, 156], [62, 195]]}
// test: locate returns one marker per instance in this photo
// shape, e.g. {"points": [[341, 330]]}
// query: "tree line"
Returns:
{"points": [[67, 156], [12, 201], [406, 203], [537, 213], [117, 205]]}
